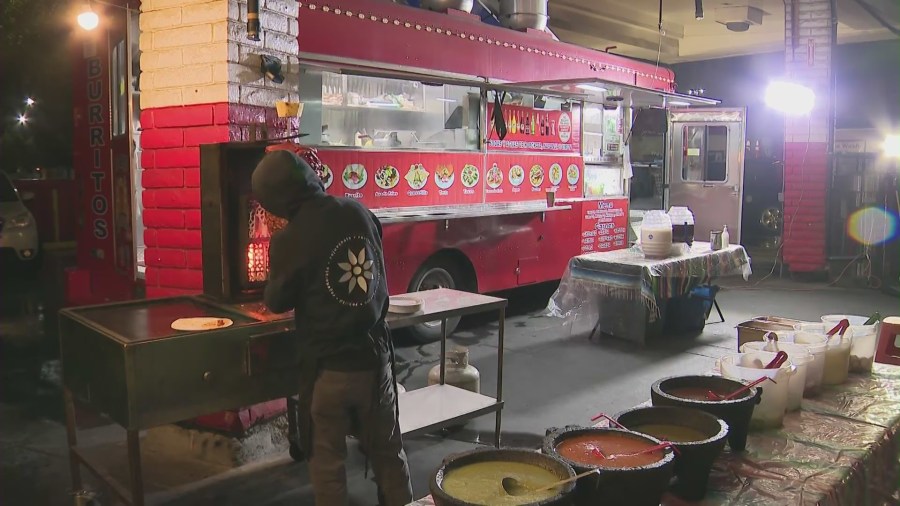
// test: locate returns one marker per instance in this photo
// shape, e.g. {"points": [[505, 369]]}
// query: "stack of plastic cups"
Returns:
{"points": [[865, 340], [799, 356], [750, 367]]}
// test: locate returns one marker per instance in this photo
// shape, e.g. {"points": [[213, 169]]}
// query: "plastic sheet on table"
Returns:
{"points": [[628, 280]]}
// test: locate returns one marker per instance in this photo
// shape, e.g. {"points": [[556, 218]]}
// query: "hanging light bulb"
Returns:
{"points": [[88, 19]]}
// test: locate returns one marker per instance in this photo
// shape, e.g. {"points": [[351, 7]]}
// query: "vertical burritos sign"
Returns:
{"points": [[93, 156]]}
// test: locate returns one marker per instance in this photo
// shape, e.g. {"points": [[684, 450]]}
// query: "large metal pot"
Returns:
{"points": [[523, 14], [443, 5], [565, 497]]}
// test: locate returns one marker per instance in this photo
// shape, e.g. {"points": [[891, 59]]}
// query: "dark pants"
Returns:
{"points": [[367, 396]]}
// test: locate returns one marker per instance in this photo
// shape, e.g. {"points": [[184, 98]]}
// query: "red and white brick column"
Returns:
{"points": [[200, 83], [808, 43]]}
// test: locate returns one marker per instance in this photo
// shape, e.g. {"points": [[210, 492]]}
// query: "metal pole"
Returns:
{"points": [[443, 349], [500, 336], [134, 468], [71, 435]]}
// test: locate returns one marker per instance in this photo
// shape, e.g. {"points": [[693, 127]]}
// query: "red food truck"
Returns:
{"points": [[492, 156]]}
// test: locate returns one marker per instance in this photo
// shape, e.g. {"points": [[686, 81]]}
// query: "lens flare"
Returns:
{"points": [[872, 226]]}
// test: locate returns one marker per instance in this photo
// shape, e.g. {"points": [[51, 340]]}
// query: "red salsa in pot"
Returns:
{"points": [[608, 449], [699, 393]]}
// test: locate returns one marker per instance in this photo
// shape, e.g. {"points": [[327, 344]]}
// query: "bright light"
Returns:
{"points": [[591, 87], [892, 146], [872, 226], [88, 19], [790, 98], [29, 101], [22, 119]]}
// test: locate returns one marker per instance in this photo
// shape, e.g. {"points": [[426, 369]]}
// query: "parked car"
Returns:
{"points": [[18, 231]]}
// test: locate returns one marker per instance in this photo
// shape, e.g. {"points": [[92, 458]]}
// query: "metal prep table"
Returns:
{"points": [[124, 360]]}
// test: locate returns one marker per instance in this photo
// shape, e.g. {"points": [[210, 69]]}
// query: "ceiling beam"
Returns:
{"points": [[615, 13], [601, 32]]}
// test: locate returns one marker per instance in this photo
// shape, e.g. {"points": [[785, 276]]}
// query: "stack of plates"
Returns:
{"points": [[405, 305]]}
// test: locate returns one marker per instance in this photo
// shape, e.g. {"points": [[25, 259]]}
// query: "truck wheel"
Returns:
{"points": [[435, 274]]}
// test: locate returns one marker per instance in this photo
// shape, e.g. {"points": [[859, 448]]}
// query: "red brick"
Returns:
{"points": [[178, 157], [246, 114], [163, 218], [148, 159], [192, 177], [161, 139], [194, 115], [220, 114], [192, 219], [150, 237], [205, 135], [173, 238], [182, 198], [194, 258], [147, 120], [147, 199], [164, 257], [181, 278], [162, 178], [151, 277]]}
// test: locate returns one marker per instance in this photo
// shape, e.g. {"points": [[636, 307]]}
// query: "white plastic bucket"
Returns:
{"points": [[865, 340], [837, 356], [799, 356], [769, 413], [816, 345]]}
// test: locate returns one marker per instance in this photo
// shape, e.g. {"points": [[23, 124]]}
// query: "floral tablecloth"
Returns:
{"points": [[617, 292], [840, 449]]}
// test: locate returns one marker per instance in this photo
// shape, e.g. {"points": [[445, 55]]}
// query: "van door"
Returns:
{"points": [[706, 167]]}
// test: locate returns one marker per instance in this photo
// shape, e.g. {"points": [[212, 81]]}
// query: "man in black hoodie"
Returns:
{"points": [[327, 265]]}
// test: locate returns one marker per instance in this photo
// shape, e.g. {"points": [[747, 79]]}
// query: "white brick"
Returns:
{"points": [[261, 96], [234, 93], [247, 71], [184, 36], [288, 7], [188, 75], [155, 60], [234, 52], [207, 53], [165, 18], [237, 11], [160, 98], [273, 21], [209, 12], [237, 32], [281, 42], [206, 94]]}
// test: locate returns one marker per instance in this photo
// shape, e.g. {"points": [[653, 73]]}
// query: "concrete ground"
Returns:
{"points": [[551, 379]]}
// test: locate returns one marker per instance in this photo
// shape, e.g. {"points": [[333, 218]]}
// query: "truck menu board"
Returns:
{"points": [[383, 179], [604, 225]]}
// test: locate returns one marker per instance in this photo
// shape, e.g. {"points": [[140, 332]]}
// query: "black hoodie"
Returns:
{"points": [[326, 264]]}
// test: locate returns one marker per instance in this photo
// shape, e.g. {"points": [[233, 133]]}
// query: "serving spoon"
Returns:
{"points": [[514, 487]]}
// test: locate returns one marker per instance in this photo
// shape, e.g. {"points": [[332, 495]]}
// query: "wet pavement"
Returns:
{"points": [[551, 379]]}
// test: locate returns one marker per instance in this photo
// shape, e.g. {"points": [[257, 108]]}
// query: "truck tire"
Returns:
{"points": [[435, 273]]}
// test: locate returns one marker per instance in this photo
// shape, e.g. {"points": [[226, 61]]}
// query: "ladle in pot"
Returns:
{"points": [[514, 487]]}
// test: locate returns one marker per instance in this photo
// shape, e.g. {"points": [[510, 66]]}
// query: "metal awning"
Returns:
{"points": [[600, 91]]}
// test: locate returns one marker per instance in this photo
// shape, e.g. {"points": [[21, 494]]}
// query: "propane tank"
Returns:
{"points": [[458, 371]]}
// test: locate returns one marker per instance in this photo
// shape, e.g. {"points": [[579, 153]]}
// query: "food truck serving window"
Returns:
{"points": [[381, 113]]}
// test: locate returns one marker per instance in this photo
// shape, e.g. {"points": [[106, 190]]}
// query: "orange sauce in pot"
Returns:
{"points": [[616, 448]]}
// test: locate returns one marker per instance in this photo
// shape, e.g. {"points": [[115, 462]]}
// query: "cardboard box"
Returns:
{"points": [[781, 320], [756, 330]]}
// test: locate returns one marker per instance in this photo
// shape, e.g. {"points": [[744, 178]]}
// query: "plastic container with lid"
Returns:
{"points": [[656, 235], [749, 367], [865, 340], [802, 359], [682, 225], [837, 354]]}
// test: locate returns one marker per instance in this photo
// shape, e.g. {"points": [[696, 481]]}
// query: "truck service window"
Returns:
{"points": [[704, 153], [381, 113]]}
